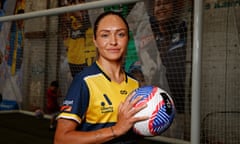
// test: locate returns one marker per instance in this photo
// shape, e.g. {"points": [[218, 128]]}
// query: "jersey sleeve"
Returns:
{"points": [[76, 102]]}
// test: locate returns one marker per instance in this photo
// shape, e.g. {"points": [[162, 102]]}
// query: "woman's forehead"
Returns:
{"points": [[111, 21]]}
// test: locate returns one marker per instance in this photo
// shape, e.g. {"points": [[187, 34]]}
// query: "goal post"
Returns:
{"points": [[60, 10]]}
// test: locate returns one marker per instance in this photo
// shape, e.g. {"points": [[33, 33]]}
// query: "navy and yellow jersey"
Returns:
{"points": [[93, 99], [79, 44]]}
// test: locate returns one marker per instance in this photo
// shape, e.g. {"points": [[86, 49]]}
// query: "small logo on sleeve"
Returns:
{"points": [[67, 105]]}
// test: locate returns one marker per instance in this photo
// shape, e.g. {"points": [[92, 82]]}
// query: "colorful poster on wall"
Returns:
{"points": [[77, 34], [15, 45], [2, 12], [170, 32], [78, 50], [151, 64], [10, 81]]}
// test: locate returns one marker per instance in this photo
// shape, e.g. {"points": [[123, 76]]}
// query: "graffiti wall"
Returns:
{"points": [[11, 42]]}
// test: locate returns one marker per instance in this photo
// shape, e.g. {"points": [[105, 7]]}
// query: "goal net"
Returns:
{"points": [[41, 49]]}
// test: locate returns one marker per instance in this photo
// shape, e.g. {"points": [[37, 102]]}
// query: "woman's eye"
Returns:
{"points": [[121, 34], [104, 35]]}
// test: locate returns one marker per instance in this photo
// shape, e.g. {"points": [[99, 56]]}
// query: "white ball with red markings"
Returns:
{"points": [[160, 110]]}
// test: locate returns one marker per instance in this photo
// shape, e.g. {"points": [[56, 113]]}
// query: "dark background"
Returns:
{"points": [[17, 128]]}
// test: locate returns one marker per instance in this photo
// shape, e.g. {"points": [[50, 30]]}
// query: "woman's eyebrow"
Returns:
{"points": [[109, 30]]}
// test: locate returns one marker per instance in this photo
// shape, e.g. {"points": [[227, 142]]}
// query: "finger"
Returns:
{"points": [[120, 107], [136, 100], [127, 103], [136, 109], [130, 96], [130, 104], [140, 118]]}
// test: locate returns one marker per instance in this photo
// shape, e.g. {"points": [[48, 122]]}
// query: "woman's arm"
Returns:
{"points": [[66, 129], [66, 133]]}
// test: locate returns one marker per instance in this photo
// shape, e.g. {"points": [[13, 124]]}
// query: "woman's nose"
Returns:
{"points": [[113, 40]]}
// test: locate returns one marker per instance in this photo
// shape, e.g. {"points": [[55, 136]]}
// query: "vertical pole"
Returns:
{"points": [[196, 72]]}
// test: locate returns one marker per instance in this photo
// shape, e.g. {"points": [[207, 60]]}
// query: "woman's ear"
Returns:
{"points": [[94, 41]]}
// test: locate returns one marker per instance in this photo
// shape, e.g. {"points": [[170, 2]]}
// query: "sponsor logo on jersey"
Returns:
{"points": [[68, 102], [106, 106], [67, 105], [123, 92]]}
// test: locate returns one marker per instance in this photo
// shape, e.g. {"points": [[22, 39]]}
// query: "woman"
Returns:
{"points": [[171, 37], [97, 108], [78, 38]]}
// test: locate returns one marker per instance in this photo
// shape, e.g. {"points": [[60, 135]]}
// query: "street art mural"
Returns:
{"points": [[12, 41]]}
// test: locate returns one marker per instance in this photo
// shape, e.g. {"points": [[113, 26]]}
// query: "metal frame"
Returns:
{"points": [[60, 10], [196, 73]]}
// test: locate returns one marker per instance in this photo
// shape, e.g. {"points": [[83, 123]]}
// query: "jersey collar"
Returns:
{"points": [[107, 77]]}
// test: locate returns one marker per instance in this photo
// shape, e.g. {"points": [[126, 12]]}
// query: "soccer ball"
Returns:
{"points": [[160, 109]]}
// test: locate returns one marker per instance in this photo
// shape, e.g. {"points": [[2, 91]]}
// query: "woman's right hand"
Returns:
{"points": [[126, 115]]}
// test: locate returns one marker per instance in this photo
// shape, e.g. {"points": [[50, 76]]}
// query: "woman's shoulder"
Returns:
{"points": [[87, 71]]}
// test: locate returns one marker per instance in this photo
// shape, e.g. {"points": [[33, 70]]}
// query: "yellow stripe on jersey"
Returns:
{"points": [[69, 116]]}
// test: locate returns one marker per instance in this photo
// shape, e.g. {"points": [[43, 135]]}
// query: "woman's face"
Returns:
{"points": [[80, 13], [163, 9], [111, 38]]}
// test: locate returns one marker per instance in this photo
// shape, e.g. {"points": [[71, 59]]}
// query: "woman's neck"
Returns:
{"points": [[113, 69]]}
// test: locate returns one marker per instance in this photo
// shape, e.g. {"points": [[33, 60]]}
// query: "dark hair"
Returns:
{"points": [[55, 84], [101, 16], [20, 11], [1, 97]]}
